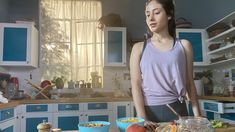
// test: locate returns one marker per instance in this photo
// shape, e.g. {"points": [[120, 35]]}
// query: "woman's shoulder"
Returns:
{"points": [[138, 46], [185, 43]]}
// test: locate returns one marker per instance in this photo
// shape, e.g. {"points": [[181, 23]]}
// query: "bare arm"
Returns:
{"points": [[136, 81], [191, 89]]}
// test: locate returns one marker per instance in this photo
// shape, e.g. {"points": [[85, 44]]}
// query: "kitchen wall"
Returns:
{"points": [[3, 10], [202, 13]]}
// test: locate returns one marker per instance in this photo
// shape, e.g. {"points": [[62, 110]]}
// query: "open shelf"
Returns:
{"points": [[227, 19], [221, 50], [222, 35], [222, 62]]}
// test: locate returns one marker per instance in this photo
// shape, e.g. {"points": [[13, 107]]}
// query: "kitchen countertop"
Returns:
{"points": [[218, 98], [14, 103], [92, 99]]}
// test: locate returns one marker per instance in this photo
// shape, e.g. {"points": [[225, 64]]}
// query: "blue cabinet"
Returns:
{"points": [[18, 45], [34, 114], [197, 38], [122, 109], [7, 120], [114, 46], [8, 126]]}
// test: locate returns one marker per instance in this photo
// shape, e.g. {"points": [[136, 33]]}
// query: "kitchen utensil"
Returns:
{"points": [[40, 91], [176, 113]]}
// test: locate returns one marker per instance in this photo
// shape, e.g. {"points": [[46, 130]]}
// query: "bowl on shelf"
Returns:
{"points": [[123, 123], [94, 126]]}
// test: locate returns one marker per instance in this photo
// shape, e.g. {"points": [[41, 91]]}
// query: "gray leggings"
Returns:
{"points": [[161, 113]]}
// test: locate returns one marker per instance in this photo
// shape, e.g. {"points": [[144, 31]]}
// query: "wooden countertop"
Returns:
{"points": [[64, 100], [218, 98]]}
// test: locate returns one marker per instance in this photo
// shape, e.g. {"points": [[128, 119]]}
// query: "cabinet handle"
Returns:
{"points": [[38, 107], [86, 115], [22, 117], [17, 117], [68, 106], [81, 115]]}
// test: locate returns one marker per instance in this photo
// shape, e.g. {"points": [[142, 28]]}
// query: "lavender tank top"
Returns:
{"points": [[163, 74]]}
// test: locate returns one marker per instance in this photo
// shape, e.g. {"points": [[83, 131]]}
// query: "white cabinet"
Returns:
{"points": [[114, 46], [197, 38], [122, 109], [68, 116], [7, 120], [18, 45], [8, 126], [226, 49], [34, 114]]}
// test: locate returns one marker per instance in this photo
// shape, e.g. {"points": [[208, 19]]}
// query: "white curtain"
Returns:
{"points": [[71, 43]]}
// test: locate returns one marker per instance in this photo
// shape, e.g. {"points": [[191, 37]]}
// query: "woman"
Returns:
{"points": [[162, 69]]}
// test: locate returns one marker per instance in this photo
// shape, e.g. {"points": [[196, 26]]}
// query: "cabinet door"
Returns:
{"points": [[115, 46], [66, 120], [17, 44], [197, 38], [30, 121], [8, 126], [122, 109]]}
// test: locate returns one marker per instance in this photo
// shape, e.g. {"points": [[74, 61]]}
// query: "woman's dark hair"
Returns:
{"points": [[169, 7]]}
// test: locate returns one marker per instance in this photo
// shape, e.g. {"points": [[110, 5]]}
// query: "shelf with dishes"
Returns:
{"points": [[221, 40]]}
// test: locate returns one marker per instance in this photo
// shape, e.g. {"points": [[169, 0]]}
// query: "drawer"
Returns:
{"points": [[228, 116], [217, 107], [95, 106], [36, 108], [6, 114], [64, 107]]}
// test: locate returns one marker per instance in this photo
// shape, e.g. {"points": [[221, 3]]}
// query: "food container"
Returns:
{"points": [[44, 127], [94, 126], [194, 124], [123, 123]]}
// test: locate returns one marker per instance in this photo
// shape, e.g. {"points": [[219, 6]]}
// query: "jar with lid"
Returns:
{"points": [[194, 124], [44, 127]]}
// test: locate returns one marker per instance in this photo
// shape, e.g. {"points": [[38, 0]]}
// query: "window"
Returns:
{"points": [[71, 42]]}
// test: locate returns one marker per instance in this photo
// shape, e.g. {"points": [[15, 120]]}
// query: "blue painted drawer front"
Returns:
{"points": [[6, 114], [121, 111], [36, 108], [63, 107], [229, 116], [210, 106], [68, 123], [9, 129], [98, 118], [94, 106], [31, 123], [15, 44]]}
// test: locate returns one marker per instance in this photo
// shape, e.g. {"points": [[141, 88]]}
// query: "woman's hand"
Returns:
{"points": [[150, 126]]}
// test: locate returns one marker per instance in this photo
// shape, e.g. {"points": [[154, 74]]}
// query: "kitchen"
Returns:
{"points": [[12, 10]]}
